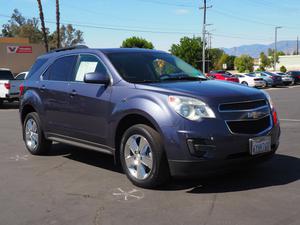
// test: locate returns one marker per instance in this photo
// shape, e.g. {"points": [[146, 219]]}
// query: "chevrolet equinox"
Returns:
{"points": [[157, 115]]}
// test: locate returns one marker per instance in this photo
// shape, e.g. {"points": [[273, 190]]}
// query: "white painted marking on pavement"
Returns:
{"points": [[128, 195], [290, 120], [19, 158]]}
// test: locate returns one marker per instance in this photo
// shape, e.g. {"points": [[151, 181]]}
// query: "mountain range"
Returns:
{"points": [[254, 50]]}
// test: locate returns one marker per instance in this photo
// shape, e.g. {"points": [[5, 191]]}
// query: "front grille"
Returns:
{"points": [[242, 105], [250, 126]]}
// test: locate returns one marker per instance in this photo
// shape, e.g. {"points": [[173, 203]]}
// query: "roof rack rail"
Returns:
{"points": [[69, 48]]}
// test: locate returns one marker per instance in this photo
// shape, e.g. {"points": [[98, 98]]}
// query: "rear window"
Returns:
{"points": [[6, 75], [36, 66]]}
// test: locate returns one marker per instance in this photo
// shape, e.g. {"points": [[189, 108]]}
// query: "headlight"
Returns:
{"points": [[190, 108]]}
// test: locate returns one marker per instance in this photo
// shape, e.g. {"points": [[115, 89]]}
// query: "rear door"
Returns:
{"points": [[90, 102], [55, 89]]}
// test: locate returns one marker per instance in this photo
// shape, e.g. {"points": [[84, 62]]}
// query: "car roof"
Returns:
{"points": [[93, 50]]}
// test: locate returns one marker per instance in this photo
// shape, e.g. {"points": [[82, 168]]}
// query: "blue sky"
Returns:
{"points": [[235, 22]]}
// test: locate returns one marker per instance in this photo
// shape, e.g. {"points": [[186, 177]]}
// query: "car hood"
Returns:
{"points": [[214, 92]]}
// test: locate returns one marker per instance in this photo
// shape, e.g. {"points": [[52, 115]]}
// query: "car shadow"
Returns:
{"points": [[280, 170], [7, 105], [89, 157]]}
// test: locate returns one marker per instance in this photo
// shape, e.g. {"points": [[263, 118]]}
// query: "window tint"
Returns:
{"points": [[36, 66], [61, 69], [88, 64], [6, 75]]}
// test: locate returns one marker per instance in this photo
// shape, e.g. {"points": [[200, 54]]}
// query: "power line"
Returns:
{"points": [[166, 3]]}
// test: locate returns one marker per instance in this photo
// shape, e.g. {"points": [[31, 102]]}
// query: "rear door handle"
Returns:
{"points": [[73, 93]]}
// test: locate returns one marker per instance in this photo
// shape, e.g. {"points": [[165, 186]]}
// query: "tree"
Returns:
{"points": [[244, 63], [264, 61], [283, 69], [57, 24], [189, 50], [230, 62], [43, 25], [19, 26], [215, 55], [137, 42], [69, 36]]}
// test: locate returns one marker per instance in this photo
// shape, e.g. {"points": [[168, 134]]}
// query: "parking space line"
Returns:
{"points": [[290, 120]]}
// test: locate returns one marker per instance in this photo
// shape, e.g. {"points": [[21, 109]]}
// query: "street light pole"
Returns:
{"points": [[275, 49], [203, 36]]}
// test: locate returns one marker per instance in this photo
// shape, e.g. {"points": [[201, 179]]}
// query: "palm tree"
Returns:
{"points": [[43, 24], [57, 23]]}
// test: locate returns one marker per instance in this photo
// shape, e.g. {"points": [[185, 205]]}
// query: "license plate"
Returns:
{"points": [[260, 145]]}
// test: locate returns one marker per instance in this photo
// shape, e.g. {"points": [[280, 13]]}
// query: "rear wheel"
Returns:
{"points": [[1, 102], [143, 158], [33, 135]]}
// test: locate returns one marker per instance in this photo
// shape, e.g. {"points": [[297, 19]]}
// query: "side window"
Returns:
{"points": [[61, 70], [88, 64]]}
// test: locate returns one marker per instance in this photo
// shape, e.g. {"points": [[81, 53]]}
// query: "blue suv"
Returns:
{"points": [[158, 116]]}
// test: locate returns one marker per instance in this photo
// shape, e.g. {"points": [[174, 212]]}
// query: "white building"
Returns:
{"points": [[291, 62]]}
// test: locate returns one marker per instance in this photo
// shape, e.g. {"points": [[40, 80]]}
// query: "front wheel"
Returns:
{"points": [[245, 83], [33, 135], [143, 158]]}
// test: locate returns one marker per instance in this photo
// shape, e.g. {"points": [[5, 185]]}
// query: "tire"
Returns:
{"points": [[1, 102], [245, 83], [33, 135], [136, 171]]}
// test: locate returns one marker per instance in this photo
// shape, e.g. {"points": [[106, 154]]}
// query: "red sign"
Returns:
{"points": [[19, 49]]}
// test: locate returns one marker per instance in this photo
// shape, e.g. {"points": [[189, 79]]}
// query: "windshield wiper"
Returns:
{"points": [[145, 81], [183, 78]]}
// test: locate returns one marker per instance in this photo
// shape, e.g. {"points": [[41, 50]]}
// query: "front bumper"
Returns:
{"points": [[224, 148]]}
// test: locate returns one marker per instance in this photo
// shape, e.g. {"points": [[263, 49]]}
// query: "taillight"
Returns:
{"points": [[275, 117], [21, 89], [7, 86]]}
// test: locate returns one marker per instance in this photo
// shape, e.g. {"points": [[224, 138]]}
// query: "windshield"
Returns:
{"points": [[6, 75], [153, 67]]}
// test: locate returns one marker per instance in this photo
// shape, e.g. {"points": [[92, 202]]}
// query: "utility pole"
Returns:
{"points": [[205, 7], [275, 49], [297, 45]]}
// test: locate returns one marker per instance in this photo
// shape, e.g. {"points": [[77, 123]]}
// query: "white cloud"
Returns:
{"points": [[181, 11]]}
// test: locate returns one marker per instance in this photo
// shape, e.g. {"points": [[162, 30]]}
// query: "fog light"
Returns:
{"points": [[200, 147]]}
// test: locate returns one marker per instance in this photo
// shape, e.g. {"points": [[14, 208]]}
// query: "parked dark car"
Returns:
{"points": [[295, 75], [286, 79], [272, 79], [157, 115], [222, 75]]}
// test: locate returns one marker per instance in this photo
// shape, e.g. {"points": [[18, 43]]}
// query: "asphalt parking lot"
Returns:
{"points": [[76, 186]]}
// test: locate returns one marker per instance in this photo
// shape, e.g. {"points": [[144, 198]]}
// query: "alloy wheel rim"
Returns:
{"points": [[31, 134], [138, 157]]}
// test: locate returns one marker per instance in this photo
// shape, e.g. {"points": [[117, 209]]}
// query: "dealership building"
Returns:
{"points": [[18, 54]]}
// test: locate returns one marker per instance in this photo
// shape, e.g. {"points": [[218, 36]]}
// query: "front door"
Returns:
{"points": [[90, 102]]}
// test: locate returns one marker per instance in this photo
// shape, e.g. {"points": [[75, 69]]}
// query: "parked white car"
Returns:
{"points": [[22, 76], [251, 80], [9, 87]]}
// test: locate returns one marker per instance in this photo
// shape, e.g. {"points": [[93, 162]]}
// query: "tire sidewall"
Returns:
{"points": [[35, 117], [155, 149]]}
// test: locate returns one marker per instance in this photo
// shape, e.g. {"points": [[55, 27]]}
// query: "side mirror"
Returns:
{"points": [[96, 78]]}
